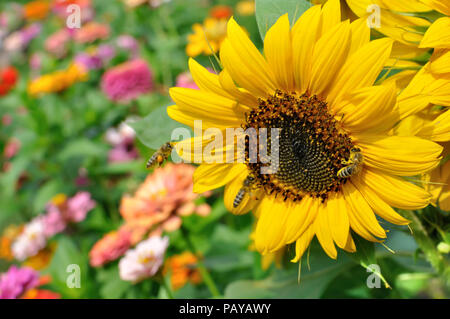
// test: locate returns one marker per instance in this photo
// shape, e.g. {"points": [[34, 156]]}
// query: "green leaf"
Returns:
{"points": [[81, 148], [268, 12], [284, 283], [112, 287], [67, 253], [156, 128], [365, 255], [45, 194]]}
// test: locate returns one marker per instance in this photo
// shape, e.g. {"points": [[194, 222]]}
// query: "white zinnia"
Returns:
{"points": [[144, 260]]}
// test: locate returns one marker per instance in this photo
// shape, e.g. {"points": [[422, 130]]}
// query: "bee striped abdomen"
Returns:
{"points": [[346, 172], [239, 197], [160, 155], [152, 161]]}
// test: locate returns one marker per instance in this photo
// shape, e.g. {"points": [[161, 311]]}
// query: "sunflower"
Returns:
{"points": [[315, 84], [425, 105], [402, 21]]}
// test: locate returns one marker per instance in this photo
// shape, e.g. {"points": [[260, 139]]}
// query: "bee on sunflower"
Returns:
{"points": [[315, 83]]}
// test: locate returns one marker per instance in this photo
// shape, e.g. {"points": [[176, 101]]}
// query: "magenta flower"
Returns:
{"points": [[54, 222], [97, 58], [78, 206], [16, 281], [127, 81]]}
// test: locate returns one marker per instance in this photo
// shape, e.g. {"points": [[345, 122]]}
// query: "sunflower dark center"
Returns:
{"points": [[310, 146]]}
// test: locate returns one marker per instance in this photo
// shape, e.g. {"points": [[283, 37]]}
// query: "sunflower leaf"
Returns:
{"points": [[156, 128], [268, 12], [365, 255]]}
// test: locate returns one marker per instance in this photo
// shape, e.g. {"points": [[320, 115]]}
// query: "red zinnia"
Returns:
{"points": [[8, 78]]}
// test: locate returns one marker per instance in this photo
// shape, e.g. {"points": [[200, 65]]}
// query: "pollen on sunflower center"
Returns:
{"points": [[310, 146]]}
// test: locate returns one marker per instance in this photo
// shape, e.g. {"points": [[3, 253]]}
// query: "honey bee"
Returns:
{"points": [[160, 155], [247, 186], [354, 164]]}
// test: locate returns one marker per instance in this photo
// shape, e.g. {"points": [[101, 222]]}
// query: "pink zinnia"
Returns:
{"points": [[185, 80], [54, 222], [112, 246], [78, 206], [56, 44], [91, 32], [11, 148], [127, 81], [17, 281]]}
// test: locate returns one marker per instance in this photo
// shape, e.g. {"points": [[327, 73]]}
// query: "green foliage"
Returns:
{"points": [[268, 12]]}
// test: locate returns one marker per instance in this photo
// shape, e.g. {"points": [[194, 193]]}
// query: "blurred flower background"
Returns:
{"points": [[82, 110]]}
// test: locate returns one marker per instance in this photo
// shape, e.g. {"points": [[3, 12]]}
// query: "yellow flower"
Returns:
{"points": [[394, 19], [42, 259], [57, 81], [316, 84], [207, 38], [245, 8], [9, 234], [438, 37]]}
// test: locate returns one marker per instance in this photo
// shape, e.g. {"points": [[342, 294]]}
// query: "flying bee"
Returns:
{"points": [[160, 155], [247, 186], [354, 164]]}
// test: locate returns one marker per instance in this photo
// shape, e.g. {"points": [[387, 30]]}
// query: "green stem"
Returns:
{"points": [[207, 279], [426, 244], [166, 286]]}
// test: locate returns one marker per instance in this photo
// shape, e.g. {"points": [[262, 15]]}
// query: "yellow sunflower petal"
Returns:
{"points": [[361, 210], [303, 242], [329, 56], [211, 176], [396, 191], [350, 244], [399, 155], [360, 34], [239, 95], [360, 6], [369, 107], [301, 217], [207, 105], [305, 33], [278, 52], [245, 63], [338, 219], [331, 14], [440, 61], [442, 6], [438, 130], [206, 80], [181, 115], [437, 35], [379, 206], [281, 222], [361, 69], [323, 231]]}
